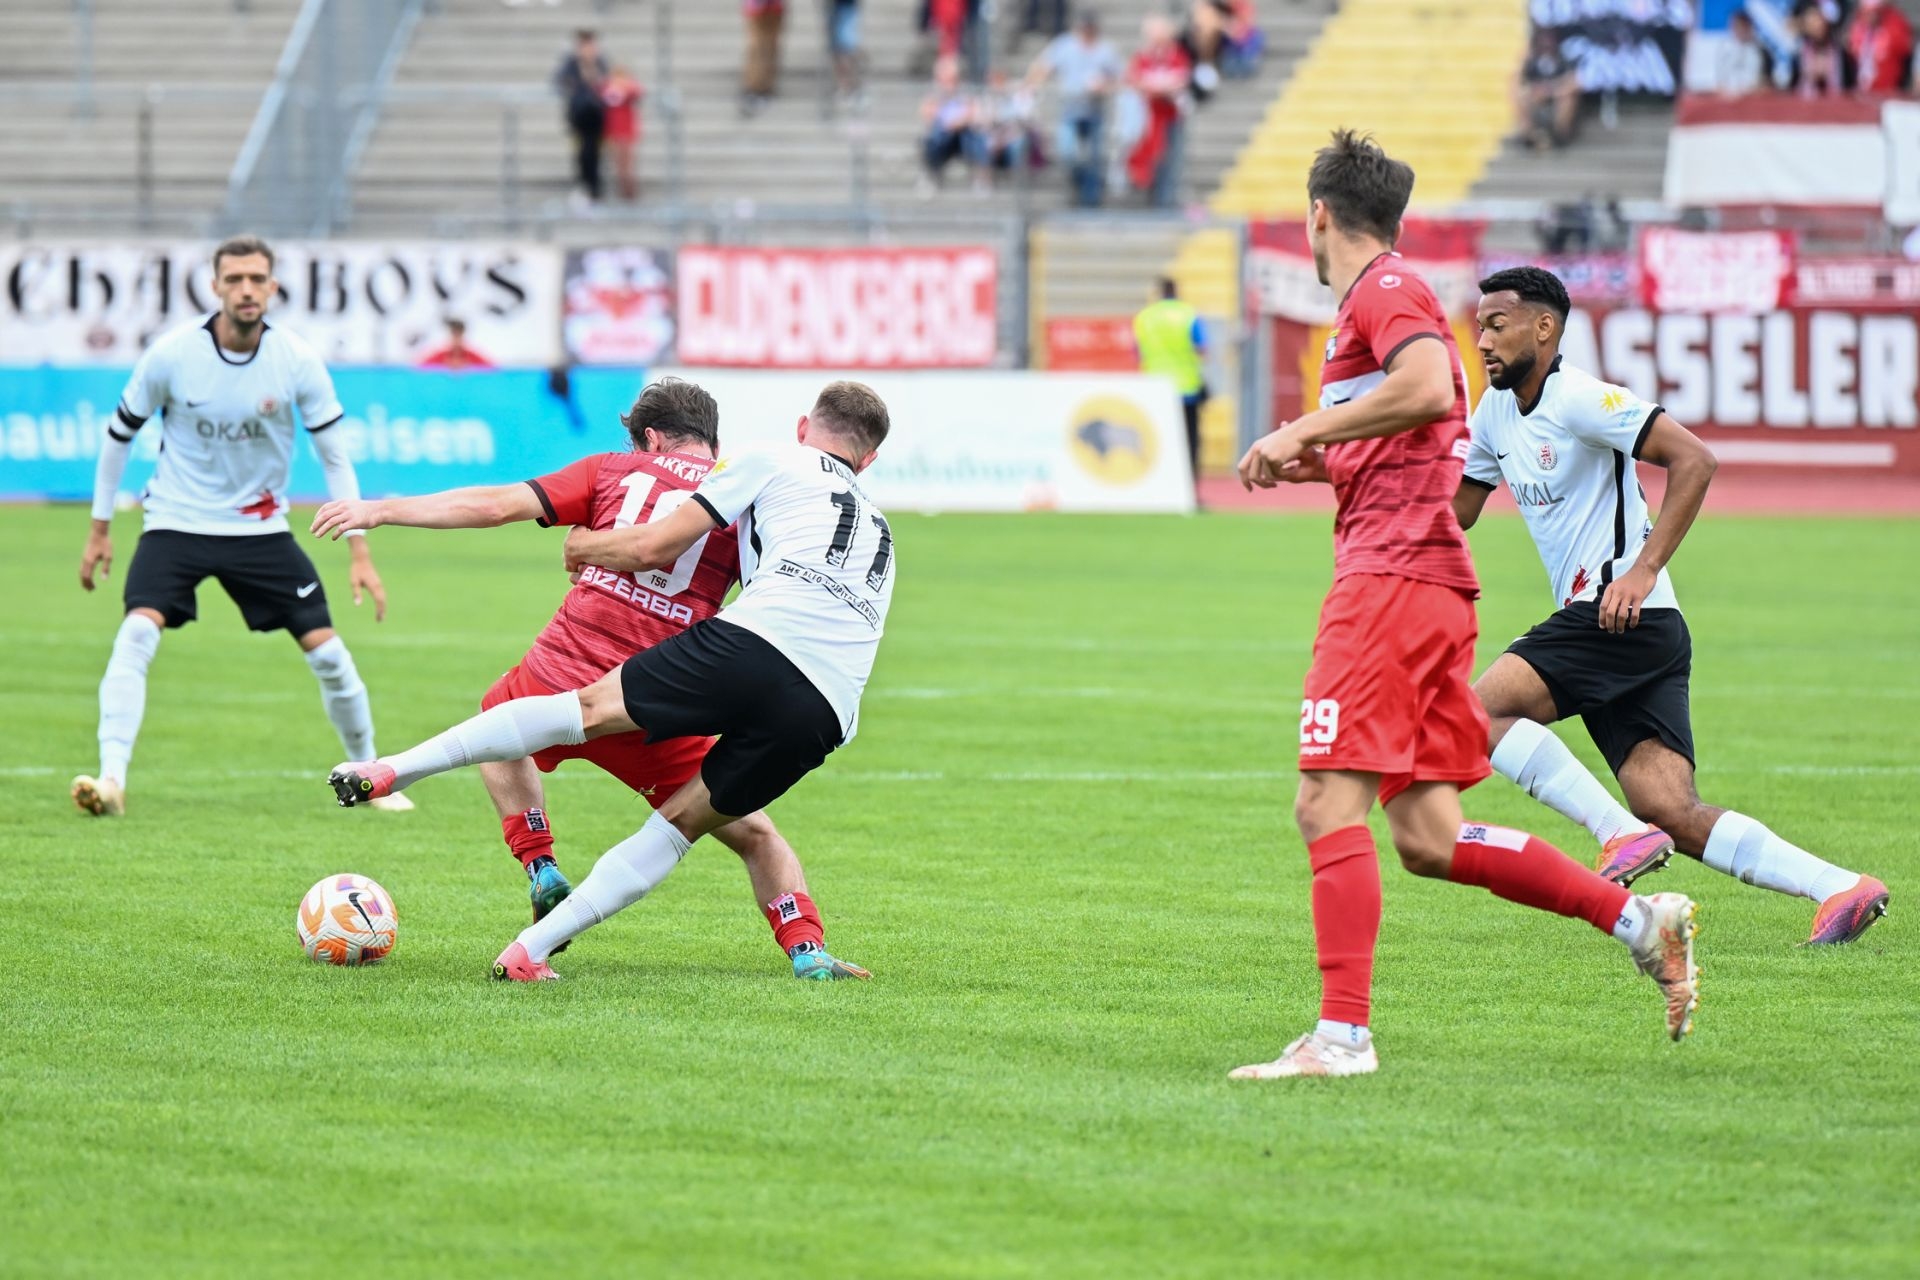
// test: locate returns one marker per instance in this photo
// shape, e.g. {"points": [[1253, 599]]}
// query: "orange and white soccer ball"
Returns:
{"points": [[347, 920]]}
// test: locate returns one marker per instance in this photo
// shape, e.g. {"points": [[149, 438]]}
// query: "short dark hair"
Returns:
{"points": [[1169, 287], [242, 247], [1536, 285], [1365, 189], [681, 411], [855, 410]]}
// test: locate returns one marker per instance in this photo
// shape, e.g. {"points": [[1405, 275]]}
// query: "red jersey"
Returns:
{"points": [[608, 617], [1395, 492]]}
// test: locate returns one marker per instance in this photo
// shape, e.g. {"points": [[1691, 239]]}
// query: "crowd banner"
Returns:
{"points": [[1784, 150], [1900, 122], [407, 430], [618, 306], [1091, 344], [357, 302], [1620, 46], [1715, 270], [884, 308], [990, 441]]}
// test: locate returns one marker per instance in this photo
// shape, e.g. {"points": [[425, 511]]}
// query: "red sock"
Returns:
{"points": [[1346, 921], [795, 920], [529, 835], [1526, 869]]}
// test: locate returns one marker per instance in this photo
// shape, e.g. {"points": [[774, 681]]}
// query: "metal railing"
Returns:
{"points": [[293, 172], [84, 19]]}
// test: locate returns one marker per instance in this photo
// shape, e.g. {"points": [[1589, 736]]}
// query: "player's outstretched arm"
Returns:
{"points": [[642, 547], [477, 507], [1689, 465]]}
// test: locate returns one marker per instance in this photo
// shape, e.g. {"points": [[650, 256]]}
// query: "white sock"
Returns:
{"points": [[1743, 848], [625, 874], [344, 695], [1539, 763], [1350, 1034], [511, 731], [123, 693], [1632, 924]]}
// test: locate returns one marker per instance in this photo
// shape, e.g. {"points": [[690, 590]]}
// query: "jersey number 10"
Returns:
{"points": [[639, 486]]}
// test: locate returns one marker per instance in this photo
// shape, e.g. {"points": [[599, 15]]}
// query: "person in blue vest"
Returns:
{"points": [[1171, 342]]}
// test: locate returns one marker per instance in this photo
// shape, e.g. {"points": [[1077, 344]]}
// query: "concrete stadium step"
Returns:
{"points": [[1628, 162]]}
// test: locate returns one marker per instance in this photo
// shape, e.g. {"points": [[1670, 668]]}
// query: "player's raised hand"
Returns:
{"points": [[1260, 467], [98, 555], [363, 577], [1620, 604], [337, 517]]}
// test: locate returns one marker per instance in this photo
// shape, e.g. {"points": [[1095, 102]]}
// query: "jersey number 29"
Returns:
{"points": [[639, 486]]}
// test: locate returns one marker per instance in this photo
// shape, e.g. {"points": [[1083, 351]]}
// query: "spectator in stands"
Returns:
{"points": [[1741, 64], [1880, 41], [578, 81], [455, 354], [1171, 342], [958, 32], [1163, 76], [1010, 124], [843, 42], [1087, 69], [1822, 68], [760, 77], [621, 94], [1246, 43], [952, 119], [1045, 17], [1547, 97]]}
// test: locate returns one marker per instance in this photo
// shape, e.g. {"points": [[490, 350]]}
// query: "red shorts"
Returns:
{"points": [[652, 770], [1391, 686]]}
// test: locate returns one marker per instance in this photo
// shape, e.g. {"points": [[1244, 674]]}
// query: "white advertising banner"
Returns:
{"points": [[990, 441], [358, 302], [1900, 121]]}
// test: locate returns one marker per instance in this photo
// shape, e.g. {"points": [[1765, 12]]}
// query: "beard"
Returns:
{"points": [[1513, 372]]}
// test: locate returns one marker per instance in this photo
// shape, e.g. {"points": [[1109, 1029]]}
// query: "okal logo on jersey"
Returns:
{"points": [[231, 432]]}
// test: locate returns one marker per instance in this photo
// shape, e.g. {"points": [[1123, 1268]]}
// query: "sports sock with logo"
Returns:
{"points": [[123, 693], [1344, 1033], [344, 695], [1534, 759], [528, 834], [1526, 869], [1745, 849], [512, 730], [625, 874], [1346, 921], [795, 920]]}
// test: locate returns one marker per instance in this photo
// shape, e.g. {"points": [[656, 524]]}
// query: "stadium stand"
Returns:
{"points": [[190, 73], [477, 69]]}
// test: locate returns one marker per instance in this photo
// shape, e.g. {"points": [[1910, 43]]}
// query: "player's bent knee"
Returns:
{"points": [[1424, 860]]}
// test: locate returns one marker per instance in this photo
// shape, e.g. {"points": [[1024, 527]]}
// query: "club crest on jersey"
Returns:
{"points": [[1333, 340], [269, 407], [1548, 458], [1389, 282]]}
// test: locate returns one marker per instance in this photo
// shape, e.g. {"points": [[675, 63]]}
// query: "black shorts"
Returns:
{"points": [[715, 678], [1627, 688], [266, 574]]}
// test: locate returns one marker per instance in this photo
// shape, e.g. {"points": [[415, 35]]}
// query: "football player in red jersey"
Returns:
{"points": [[1390, 712], [606, 618]]}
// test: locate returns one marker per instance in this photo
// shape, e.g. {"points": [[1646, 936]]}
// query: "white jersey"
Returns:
{"points": [[1569, 461], [816, 564], [227, 427]]}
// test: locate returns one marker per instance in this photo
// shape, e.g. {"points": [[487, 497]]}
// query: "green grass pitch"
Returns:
{"points": [[1063, 844]]}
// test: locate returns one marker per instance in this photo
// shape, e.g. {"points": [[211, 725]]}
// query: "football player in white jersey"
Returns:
{"points": [[232, 393], [776, 675], [1618, 653]]}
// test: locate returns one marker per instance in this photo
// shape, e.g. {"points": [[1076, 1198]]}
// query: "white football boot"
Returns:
{"points": [[1313, 1055]]}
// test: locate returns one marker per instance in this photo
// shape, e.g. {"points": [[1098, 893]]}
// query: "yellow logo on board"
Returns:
{"points": [[1113, 439]]}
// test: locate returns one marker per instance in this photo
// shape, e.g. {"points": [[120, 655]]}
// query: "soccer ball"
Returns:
{"points": [[346, 920]]}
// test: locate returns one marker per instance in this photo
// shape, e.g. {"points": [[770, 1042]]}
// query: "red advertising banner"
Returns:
{"points": [[837, 308], [1091, 344], [1715, 270]]}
